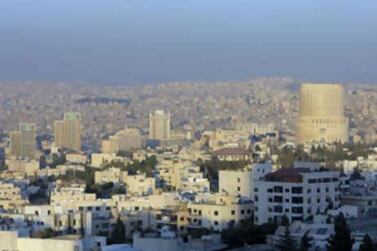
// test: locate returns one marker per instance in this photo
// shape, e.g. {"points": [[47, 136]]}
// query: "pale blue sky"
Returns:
{"points": [[138, 41]]}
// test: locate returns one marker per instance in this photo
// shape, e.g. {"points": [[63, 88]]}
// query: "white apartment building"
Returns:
{"points": [[10, 240], [297, 193], [10, 197], [236, 182], [218, 212], [139, 184], [241, 182]]}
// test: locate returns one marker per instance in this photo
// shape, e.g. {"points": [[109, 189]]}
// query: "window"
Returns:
{"points": [[216, 223], [278, 189], [255, 189], [248, 211], [232, 212], [309, 190], [296, 189], [278, 199], [286, 190], [297, 200], [311, 181], [216, 213], [238, 180], [242, 211], [278, 209], [256, 197], [318, 190], [297, 210], [326, 180], [238, 189]]}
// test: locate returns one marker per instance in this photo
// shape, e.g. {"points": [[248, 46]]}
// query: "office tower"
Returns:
{"points": [[23, 141], [159, 125], [321, 114], [68, 131]]}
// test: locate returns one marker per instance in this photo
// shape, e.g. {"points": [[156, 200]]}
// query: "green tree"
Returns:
{"points": [[367, 244], [246, 233], [284, 221], [286, 242], [286, 157], [45, 233], [305, 242], [341, 240], [118, 235]]}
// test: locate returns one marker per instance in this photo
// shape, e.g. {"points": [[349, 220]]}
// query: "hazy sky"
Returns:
{"points": [[132, 41]]}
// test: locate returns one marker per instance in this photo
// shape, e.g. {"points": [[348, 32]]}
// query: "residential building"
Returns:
{"points": [[297, 193]]}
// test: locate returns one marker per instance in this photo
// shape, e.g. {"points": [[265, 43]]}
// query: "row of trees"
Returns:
{"points": [[287, 155]]}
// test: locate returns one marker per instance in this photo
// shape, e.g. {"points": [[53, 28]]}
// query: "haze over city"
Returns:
{"points": [[139, 41]]}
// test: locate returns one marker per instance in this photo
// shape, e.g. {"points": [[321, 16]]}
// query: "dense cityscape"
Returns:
{"points": [[263, 164]]}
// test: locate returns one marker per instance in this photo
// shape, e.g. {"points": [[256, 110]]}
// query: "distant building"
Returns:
{"points": [[23, 141], [124, 140], [159, 125], [232, 154], [321, 115], [68, 131]]}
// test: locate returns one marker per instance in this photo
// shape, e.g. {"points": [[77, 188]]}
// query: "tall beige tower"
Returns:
{"points": [[321, 114], [68, 131], [159, 125], [23, 141]]}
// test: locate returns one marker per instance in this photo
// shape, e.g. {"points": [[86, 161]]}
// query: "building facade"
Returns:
{"points": [[23, 141], [321, 114], [297, 193], [159, 125], [68, 131]]}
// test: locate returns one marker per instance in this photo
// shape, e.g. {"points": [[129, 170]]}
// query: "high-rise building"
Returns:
{"points": [[321, 114], [23, 141], [159, 125], [68, 131]]}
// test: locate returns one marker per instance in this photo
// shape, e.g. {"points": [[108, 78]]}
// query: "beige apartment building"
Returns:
{"points": [[23, 141], [159, 125], [124, 140], [10, 197], [68, 131], [321, 114], [219, 213]]}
